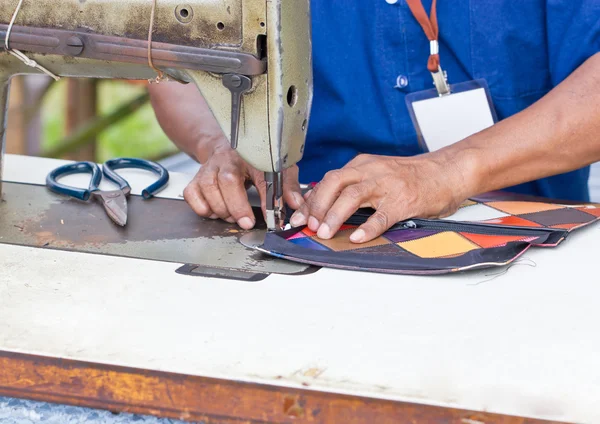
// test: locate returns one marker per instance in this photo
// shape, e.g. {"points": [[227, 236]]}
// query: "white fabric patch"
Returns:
{"points": [[476, 213]]}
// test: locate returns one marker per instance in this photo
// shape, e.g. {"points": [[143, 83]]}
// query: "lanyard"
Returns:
{"points": [[431, 30]]}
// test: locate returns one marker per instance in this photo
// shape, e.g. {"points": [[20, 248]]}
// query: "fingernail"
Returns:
{"points": [[298, 199], [358, 236], [313, 224], [230, 220], [298, 219], [324, 232], [246, 223], [213, 216]]}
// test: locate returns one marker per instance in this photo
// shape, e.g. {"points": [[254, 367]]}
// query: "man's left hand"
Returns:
{"points": [[398, 188]]}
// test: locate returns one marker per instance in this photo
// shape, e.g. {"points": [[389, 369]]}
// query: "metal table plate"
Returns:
{"points": [[157, 229]]}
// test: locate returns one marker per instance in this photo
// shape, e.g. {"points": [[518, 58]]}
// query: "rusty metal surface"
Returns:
{"points": [[157, 229], [210, 400], [131, 18], [126, 50], [290, 79]]}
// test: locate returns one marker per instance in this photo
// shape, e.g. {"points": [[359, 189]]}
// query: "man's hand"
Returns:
{"points": [[425, 186], [219, 188]]}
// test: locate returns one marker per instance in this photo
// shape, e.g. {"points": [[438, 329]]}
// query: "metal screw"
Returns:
{"points": [[236, 81], [74, 46]]}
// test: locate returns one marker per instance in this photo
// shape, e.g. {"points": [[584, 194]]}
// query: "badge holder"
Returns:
{"points": [[449, 113]]}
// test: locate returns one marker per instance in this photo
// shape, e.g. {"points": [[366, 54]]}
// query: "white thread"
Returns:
{"points": [[434, 47], [160, 75], [20, 55], [12, 22]]}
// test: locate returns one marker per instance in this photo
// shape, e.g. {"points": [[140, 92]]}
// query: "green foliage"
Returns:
{"points": [[138, 135], [53, 116]]}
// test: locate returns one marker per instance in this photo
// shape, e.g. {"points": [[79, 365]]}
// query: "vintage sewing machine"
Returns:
{"points": [[251, 59]]}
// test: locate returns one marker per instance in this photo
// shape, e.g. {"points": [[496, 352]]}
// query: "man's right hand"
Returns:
{"points": [[219, 189]]}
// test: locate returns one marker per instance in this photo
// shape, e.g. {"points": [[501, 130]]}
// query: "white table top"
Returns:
{"points": [[525, 343]]}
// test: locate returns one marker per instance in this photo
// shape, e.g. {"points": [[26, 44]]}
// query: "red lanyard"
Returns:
{"points": [[431, 30]]}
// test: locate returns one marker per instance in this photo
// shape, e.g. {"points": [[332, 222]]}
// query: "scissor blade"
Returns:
{"points": [[115, 204]]}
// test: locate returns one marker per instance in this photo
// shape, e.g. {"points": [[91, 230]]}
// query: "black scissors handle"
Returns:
{"points": [[122, 163], [75, 168]]}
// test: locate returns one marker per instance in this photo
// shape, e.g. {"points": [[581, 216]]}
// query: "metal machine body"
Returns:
{"points": [[251, 60]]}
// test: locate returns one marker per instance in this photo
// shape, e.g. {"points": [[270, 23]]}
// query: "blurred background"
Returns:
{"points": [[85, 119]]}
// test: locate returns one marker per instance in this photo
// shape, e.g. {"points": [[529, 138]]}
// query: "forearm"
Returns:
{"points": [[186, 119], [559, 133]]}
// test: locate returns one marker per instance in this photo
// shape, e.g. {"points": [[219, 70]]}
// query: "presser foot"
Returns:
{"points": [[275, 211], [275, 220]]}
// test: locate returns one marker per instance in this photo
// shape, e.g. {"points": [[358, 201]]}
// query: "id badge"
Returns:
{"points": [[444, 120]]}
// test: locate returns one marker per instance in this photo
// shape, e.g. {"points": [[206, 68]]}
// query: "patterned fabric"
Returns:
{"points": [[491, 230]]}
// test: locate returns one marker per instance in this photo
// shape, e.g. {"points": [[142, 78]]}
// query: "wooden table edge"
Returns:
{"points": [[210, 400]]}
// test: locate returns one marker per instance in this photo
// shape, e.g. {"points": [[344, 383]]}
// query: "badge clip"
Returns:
{"points": [[440, 80]]}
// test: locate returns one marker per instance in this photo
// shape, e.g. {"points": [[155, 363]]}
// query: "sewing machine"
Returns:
{"points": [[251, 59]]}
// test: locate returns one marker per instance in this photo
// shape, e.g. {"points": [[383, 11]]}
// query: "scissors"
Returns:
{"points": [[115, 201]]}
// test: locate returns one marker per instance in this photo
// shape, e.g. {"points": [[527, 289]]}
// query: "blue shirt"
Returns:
{"points": [[362, 48]]}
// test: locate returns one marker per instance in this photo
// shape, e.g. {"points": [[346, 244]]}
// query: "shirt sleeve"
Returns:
{"points": [[573, 31]]}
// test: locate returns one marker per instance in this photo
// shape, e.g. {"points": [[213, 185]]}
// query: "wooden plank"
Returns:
{"points": [[192, 398], [16, 136], [81, 108]]}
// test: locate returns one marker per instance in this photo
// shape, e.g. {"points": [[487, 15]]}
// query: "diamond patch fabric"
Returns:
{"points": [[491, 230]]}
